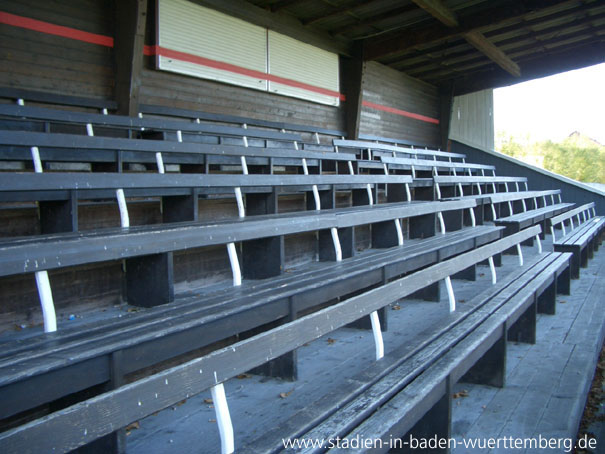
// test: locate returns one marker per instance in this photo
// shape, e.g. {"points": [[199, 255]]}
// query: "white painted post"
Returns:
{"points": [[378, 341], [408, 194], [370, 195], [241, 210], [539, 244], [46, 301], [160, 162], [441, 222], [89, 130], [437, 190], [20, 102], [314, 187], [124, 218], [473, 220], [520, 252], [36, 158], [234, 262], [450, 294], [336, 242], [399, 232], [223, 418], [492, 268]]}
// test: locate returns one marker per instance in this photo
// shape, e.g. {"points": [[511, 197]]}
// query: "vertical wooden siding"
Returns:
{"points": [[39, 61], [472, 120], [390, 88]]}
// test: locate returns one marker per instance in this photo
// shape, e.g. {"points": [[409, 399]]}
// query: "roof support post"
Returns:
{"points": [[354, 69], [131, 17]]}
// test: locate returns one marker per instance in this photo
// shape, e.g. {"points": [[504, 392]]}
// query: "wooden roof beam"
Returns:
{"points": [[446, 16], [381, 47], [439, 11], [483, 45]]}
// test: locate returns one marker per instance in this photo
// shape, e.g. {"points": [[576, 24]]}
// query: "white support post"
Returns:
{"points": [[552, 199], [179, 136], [295, 145], [37, 161], [559, 197], [197, 120], [472, 213], [510, 207], [571, 223], [493, 211], [46, 300], [450, 294], [234, 262], [241, 210], [526, 187], [552, 232], [524, 205], [470, 173], [517, 186], [539, 244], [316, 135], [370, 195], [408, 194], [494, 189], [223, 418], [20, 102], [563, 228], [336, 241], [594, 212], [378, 341], [244, 165], [399, 232], [314, 187], [124, 218], [506, 186], [461, 190], [544, 200], [160, 162], [479, 189], [386, 169], [441, 222], [520, 252], [104, 111], [413, 172], [351, 171], [437, 190], [578, 218], [492, 268], [89, 130]]}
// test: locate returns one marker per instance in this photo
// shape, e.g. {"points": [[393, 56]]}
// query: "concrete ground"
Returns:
{"points": [[545, 392]]}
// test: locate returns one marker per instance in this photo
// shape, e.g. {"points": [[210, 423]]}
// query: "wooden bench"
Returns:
{"points": [[112, 153], [92, 419], [14, 117], [193, 115], [583, 238], [410, 391], [381, 149], [21, 97], [529, 215], [433, 166]]}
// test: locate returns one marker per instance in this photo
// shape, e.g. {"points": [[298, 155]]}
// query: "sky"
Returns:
{"points": [[553, 107]]}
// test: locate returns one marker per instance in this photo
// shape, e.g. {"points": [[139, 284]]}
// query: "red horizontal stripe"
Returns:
{"points": [[52, 29], [403, 113], [183, 56]]}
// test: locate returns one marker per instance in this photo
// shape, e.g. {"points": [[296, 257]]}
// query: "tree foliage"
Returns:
{"points": [[575, 157]]}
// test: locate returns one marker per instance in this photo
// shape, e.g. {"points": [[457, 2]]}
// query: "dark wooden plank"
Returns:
{"points": [[86, 421]]}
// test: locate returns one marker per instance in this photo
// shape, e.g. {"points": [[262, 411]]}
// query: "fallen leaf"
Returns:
{"points": [[396, 307], [208, 401], [132, 309], [131, 427], [562, 302], [462, 301], [463, 393], [212, 420], [284, 395], [481, 274], [243, 376], [331, 341]]}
